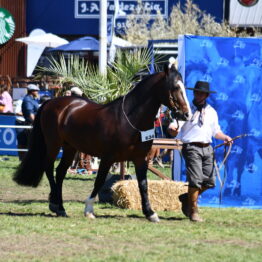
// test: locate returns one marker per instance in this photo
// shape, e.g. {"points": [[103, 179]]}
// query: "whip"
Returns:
{"points": [[226, 154]]}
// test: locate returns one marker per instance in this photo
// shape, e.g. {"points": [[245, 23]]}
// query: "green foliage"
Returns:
{"points": [[120, 77], [187, 19]]}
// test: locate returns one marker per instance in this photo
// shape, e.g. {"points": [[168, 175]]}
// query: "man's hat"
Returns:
{"points": [[201, 86], [32, 87], [76, 91]]}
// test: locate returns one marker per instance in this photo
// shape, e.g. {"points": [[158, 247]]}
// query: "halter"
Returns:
{"points": [[173, 102]]}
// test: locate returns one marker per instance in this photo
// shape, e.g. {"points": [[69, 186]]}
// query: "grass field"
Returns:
{"points": [[30, 232]]}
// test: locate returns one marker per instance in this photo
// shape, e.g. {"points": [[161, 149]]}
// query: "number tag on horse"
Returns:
{"points": [[147, 135]]}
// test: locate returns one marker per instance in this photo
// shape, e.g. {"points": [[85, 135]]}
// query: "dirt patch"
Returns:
{"points": [[19, 247]]}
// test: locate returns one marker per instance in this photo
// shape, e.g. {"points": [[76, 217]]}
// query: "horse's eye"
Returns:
{"points": [[175, 88]]}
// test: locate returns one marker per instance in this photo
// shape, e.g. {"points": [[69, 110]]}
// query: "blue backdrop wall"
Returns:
{"points": [[233, 66]]}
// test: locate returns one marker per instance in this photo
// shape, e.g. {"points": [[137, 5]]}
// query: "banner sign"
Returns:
{"points": [[91, 8], [7, 136], [233, 67], [81, 17]]}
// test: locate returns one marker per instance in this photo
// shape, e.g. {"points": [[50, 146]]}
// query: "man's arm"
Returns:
{"points": [[227, 139]]}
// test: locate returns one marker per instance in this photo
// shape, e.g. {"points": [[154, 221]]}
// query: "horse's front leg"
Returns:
{"points": [[141, 173], [103, 170]]}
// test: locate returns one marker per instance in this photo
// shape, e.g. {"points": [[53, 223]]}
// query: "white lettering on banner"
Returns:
{"points": [[8, 136], [147, 135], [91, 8]]}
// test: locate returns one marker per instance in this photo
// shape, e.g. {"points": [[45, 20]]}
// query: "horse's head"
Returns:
{"points": [[176, 93]]}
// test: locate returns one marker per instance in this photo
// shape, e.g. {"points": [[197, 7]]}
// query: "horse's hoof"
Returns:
{"points": [[53, 207], [154, 218], [61, 213], [90, 215]]}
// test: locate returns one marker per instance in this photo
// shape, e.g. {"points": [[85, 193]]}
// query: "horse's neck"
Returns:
{"points": [[141, 105]]}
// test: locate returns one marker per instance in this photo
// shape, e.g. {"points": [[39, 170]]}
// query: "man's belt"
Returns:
{"points": [[198, 144]]}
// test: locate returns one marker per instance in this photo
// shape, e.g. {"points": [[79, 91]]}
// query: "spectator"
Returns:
{"points": [[20, 132], [67, 93], [30, 104], [6, 101], [82, 162], [76, 91]]}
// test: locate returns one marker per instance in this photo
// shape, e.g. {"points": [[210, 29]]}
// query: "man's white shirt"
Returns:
{"points": [[193, 131]]}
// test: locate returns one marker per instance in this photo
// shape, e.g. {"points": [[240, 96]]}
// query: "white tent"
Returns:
{"points": [[36, 42], [47, 40]]}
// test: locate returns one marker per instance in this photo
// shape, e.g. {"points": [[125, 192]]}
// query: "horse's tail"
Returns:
{"points": [[31, 169]]}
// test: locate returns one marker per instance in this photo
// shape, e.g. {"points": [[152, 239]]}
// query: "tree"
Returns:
{"points": [[187, 19], [121, 75]]}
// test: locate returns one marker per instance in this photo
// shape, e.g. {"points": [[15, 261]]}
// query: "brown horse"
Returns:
{"points": [[111, 132]]}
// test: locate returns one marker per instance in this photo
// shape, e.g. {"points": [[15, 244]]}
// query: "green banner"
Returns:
{"points": [[7, 26]]}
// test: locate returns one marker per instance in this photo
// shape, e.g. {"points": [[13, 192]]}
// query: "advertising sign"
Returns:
{"points": [[7, 26], [81, 17], [8, 143], [245, 13]]}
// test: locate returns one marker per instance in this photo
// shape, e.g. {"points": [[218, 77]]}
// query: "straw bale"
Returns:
{"points": [[163, 195]]}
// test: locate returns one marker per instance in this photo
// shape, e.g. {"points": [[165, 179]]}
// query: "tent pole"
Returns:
{"points": [[103, 37]]}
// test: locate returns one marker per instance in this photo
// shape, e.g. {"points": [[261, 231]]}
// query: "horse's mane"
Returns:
{"points": [[138, 86]]}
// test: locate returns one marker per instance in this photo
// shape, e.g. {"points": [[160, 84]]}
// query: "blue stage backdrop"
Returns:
{"points": [[233, 67]]}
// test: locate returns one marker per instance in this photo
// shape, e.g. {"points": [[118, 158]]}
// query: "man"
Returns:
{"points": [[196, 135], [20, 132], [30, 104]]}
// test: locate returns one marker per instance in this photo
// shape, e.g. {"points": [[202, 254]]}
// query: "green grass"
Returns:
{"points": [[30, 232]]}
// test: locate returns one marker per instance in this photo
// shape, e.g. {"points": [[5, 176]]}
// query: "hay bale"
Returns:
{"points": [[163, 195]]}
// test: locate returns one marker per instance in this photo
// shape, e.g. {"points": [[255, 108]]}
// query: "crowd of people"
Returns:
{"points": [[25, 108]]}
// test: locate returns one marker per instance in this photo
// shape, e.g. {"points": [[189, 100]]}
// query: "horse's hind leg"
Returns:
{"points": [[49, 169], [141, 170], [103, 170], [65, 162]]}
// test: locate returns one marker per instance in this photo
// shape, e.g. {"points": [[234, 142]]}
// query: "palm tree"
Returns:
{"points": [[121, 75]]}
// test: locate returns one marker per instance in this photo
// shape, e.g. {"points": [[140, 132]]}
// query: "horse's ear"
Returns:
{"points": [[173, 64]]}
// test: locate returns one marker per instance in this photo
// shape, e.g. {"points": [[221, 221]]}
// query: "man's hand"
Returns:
{"points": [[228, 140]]}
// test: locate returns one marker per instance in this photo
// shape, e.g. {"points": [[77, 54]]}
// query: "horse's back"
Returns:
{"points": [[56, 114]]}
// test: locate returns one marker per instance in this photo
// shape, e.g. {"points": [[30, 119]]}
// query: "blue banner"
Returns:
{"points": [[233, 67], [8, 140], [7, 136]]}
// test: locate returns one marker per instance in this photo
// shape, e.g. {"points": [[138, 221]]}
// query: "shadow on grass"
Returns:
{"points": [[26, 214], [80, 178], [30, 201], [8, 167]]}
